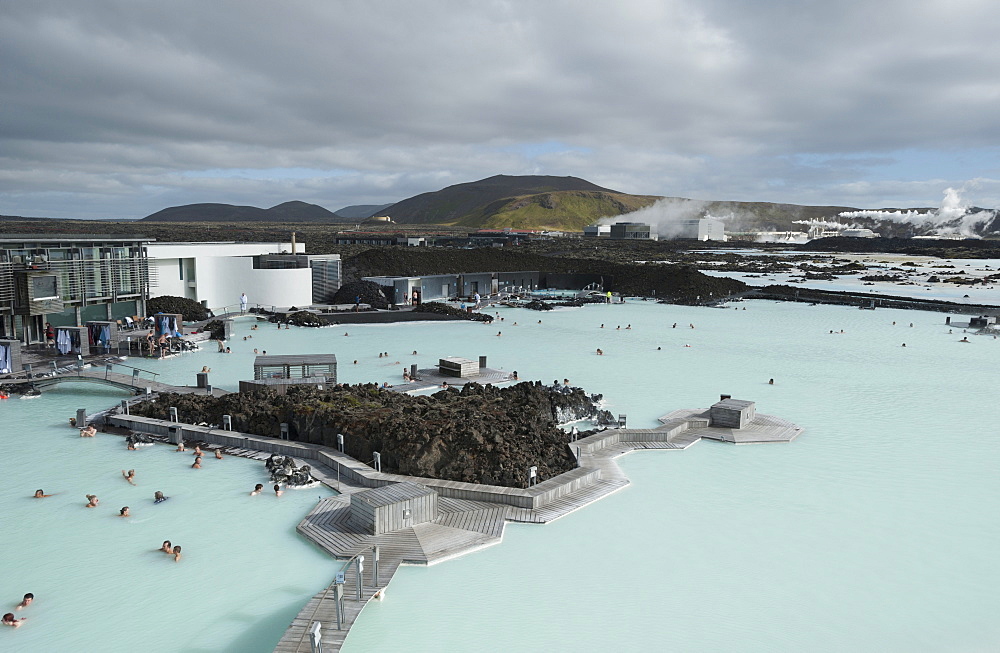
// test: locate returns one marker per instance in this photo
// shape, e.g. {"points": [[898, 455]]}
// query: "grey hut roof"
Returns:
{"points": [[393, 493]]}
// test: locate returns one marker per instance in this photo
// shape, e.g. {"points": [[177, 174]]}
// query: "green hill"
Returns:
{"points": [[569, 210], [469, 201], [523, 202]]}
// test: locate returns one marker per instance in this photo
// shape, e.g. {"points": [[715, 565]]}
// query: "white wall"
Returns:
{"points": [[224, 270], [221, 279]]}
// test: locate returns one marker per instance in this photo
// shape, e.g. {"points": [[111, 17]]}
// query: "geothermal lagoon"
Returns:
{"points": [[873, 529]]}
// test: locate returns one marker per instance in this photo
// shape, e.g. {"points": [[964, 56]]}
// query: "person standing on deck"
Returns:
{"points": [[243, 303], [478, 299]]}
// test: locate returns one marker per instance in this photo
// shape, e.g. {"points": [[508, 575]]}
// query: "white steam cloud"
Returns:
{"points": [[952, 217], [827, 224], [664, 216]]}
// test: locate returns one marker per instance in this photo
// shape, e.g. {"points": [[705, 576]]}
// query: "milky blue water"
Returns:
{"points": [[873, 531]]}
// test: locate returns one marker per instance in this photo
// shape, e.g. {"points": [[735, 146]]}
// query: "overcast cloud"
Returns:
{"points": [[118, 109]]}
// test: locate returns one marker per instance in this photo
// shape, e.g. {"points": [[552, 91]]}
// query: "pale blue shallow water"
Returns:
{"points": [[873, 531]]}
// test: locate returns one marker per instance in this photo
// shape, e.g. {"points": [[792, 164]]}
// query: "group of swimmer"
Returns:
{"points": [[257, 489], [170, 549], [198, 454], [10, 620]]}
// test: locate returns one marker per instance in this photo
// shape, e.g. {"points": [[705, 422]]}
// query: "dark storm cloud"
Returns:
{"points": [[109, 107]]}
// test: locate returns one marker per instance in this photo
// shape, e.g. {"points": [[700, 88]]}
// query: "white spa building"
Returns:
{"points": [[275, 274]]}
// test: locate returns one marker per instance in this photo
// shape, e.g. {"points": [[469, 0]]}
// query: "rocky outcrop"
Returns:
{"points": [[301, 318], [189, 308], [440, 308], [283, 470], [479, 434], [216, 329], [368, 292]]}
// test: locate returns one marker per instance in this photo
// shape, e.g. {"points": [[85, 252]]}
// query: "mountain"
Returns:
{"points": [[474, 203], [361, 211], [569, 210], [286, 212]]}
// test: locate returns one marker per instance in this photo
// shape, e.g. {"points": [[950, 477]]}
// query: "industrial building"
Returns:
{"points": [[632, 231], [702, 229]]}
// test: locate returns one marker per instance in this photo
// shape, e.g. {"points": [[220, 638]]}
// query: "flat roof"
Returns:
{"points": [[388, 495], [735, 404], [295, 359]]}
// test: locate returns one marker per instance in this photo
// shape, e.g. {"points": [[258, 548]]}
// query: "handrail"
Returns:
{"points": [[133, 367]]}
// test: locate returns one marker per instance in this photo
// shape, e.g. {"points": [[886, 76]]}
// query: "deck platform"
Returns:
{"points": [[469, 517], [430, 378]]}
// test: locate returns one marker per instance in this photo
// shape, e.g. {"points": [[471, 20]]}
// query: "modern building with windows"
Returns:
{"points": [[632, 231], [216, 274], [68, 280], [414, 290]]}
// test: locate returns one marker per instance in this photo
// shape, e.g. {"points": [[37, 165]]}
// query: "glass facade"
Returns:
{"points": [[70, 278]]}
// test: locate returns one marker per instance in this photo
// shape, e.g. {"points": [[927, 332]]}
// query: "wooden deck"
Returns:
{"points": [[431, 378], [463, 524], [322, 608]]}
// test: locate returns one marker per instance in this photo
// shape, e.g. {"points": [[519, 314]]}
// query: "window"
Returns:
{"points": [[44, 288]]}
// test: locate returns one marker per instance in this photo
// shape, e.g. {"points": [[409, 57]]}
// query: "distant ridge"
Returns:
{"points": [[361, 211], [294, 211]]}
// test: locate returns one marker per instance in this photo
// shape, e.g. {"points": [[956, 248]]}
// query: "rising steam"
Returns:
{"points": [[952, 217], [663, 216]]}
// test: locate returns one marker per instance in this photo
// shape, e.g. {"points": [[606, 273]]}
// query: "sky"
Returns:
{"points": [[119, 109]]}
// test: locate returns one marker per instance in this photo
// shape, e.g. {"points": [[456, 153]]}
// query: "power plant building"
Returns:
{"points": [[632, 231]]}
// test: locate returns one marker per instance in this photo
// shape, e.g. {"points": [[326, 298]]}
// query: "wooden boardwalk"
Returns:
{"points": [[322, 608], [113, 379], [468, 519]]}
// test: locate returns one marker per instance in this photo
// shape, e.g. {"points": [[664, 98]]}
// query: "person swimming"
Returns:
{"points": [[25, 602], [129, 476], [177, 553], [10, 620], [277, 490], [197, 451], [158, 497], [257, 489], [92, 501], [124, 512], [197, 463], [600, 352], [41, 495], [180, 446], [88, 431], [218, 454]]}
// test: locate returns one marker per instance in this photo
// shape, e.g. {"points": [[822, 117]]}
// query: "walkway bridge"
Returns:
{"points": [[134, 382]]}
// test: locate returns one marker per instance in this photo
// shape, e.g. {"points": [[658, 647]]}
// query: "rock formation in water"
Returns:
{"points": [[283, 470], [479, 434], [440, 308]]}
